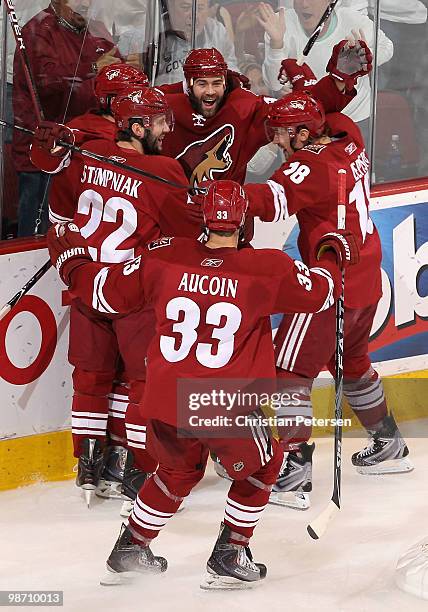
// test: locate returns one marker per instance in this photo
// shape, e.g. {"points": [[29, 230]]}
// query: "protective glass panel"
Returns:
{"points": [[401, 134]]}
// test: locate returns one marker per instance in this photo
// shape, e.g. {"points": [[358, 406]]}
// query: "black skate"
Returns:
{"points": [[294, 481], [133, 480], [89, 467], [110, 484], [386, 452], [231, 566], [127, 560]]}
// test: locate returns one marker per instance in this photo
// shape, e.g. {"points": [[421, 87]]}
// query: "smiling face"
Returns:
{"points": [[310, 12], [208, 94]]}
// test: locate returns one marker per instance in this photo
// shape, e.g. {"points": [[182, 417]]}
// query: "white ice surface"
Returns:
{"points": [[50, 540]]}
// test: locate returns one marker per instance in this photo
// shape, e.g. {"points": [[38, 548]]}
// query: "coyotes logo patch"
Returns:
{"points": [[203, 159]]}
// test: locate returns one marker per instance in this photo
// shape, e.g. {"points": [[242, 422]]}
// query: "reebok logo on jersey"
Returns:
{"points": [[351, 148], [116, 158], [212, 263], [158, 244]]}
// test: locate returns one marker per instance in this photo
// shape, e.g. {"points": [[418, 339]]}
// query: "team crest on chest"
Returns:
{"points": [[204, 159], [198, 120]]}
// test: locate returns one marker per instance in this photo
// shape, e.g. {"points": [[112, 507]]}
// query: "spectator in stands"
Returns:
{"points": [[64, 59], [287, 34], [176, 38], [253, 71]]}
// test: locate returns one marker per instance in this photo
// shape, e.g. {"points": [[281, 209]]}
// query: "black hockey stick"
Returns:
{"points": [[22, 50], [28, 285], [313, 37], [108, 160], [317, 528]]}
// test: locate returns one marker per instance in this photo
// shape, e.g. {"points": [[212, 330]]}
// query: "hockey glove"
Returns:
{"points": [[348, 62], [67, 249], [297, 77], [236, 79], [47, 135], [343, 244]]}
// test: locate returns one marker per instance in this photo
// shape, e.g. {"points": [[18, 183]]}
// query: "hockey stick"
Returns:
{"points": [[318, 527], [313, 37], [20, 45], [28, 285], [108, 160]]}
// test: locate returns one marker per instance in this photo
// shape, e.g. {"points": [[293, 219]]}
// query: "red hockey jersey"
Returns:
{"points": [[116, 210], [211, 308], [306, 185], [221, 147]]}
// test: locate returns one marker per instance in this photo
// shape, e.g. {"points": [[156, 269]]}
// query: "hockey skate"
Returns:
{"points": [[128, 561], [231, 566], [386, 452], [110, 484], [132, 481], [89, 467], [411, 574], [294, 481]]}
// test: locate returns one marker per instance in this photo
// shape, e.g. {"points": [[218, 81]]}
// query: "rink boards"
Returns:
{"points": [[35, 377]]}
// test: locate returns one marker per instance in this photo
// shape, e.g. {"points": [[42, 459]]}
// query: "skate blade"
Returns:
{"points": [[119, 578], [110, 489], [394, 466], [296, 500], [126, 508], [88, 492], [213, 582]]}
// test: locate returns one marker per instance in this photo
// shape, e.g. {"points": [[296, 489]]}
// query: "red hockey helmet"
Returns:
{"points": [[293, 111], [143, 104], [224, 206], [201, 63], [111, 81]]}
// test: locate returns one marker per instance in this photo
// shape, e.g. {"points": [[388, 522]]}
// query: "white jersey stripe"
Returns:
{"points": [[99, 301], [279, 200], [284, 344], [300, 340]]}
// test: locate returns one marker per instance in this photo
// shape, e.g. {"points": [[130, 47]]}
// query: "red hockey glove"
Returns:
{"points": [[67, 249], [47, 135], [299, 77], [343, 244], [236, 79], [347, 62]]}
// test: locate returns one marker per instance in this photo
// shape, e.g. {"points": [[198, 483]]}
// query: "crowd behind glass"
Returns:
{"points": [[253, 36]]}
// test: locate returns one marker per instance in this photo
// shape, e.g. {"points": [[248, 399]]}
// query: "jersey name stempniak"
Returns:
{"points": [[112, 180]]}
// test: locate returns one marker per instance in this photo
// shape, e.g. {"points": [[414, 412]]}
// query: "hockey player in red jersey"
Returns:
{"points": [[306, 185], [96, 123], [210, 323], [220, 127], [117, 212]]}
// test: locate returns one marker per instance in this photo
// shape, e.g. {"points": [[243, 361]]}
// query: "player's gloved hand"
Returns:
{"points": [[297, 77], [236, 79], [195, 199], [350, 61], [344, 246], [67, 249], [47, 135]]}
